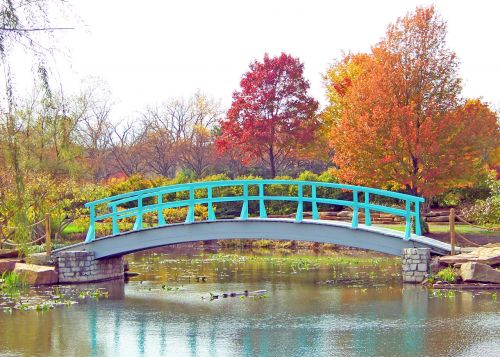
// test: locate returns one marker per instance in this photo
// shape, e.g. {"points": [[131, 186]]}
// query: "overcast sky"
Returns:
{"points": [[149, 51]]}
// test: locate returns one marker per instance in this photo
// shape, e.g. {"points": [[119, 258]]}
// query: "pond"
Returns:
{"points": [[315, 304]]}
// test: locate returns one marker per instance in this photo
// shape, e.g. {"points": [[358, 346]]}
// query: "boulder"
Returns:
{"points": [[7, 265], [39, 259], [434, 266], [489, 255], [9, 253], [328, 214], [478, 272], [37, 274], [345, 214]]}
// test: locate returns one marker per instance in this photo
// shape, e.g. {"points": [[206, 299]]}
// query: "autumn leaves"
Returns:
{"points": [[395, 116]]}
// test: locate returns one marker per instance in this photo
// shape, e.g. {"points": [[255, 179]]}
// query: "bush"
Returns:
{"points": [[486, 211], [132, 183], [465, 195]]}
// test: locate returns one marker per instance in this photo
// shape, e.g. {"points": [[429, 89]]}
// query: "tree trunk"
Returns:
{"points": [[272, 162]]}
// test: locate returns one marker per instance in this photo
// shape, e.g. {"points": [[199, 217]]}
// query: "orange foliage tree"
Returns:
{"points": [[396, 116]]}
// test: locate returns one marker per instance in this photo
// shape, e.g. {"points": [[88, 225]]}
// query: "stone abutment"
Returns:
{"points": [[82, 267]]}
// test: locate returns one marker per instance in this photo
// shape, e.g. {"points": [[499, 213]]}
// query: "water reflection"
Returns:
{"points": [[299, 317]]}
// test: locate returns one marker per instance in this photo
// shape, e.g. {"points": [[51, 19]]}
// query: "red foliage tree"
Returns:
{"points": [[272, 118]]}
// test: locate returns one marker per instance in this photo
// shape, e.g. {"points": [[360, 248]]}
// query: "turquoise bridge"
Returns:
{"points": [[252, 196]]}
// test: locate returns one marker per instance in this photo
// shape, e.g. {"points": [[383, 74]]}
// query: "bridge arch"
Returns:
{"points": [[341, 233]]}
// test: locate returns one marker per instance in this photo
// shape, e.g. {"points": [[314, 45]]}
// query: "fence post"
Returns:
{"points": [[48, 242], [452, 231]]}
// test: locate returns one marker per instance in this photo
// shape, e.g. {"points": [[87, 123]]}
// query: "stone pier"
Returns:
{"points": [[415, 264], [82, 267]]}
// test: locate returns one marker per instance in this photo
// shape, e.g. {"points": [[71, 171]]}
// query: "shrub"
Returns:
{"points": [[486, 211]]}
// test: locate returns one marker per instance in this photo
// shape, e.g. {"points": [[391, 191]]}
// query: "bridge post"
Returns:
{"points": [[91, 232], [415, 263], [315, 214], [210, 207], [418, 227], [368, 217], [408, 220], [161, 218], [355, 212], [138, 220], [190, 214], [244, 208], [300, 207], [116, 229], [262, 204]]}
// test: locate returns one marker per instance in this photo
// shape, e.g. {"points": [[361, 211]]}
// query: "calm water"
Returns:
{"points": [[164, 312]]}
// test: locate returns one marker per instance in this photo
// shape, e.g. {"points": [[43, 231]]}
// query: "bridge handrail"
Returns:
{"points": [[204, 184], [138, 196]]}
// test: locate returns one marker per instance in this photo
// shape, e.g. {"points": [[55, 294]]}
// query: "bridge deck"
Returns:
{"points": [[321, 231]]}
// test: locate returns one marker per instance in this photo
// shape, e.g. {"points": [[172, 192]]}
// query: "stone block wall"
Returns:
{"points": [[415, 264], [82, 267]]}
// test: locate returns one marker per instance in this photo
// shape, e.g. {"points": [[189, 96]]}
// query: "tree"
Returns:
{"points": [[180, 135], [272, 118], [93, 106], [25, 25], [127, 147], [396, 114]]}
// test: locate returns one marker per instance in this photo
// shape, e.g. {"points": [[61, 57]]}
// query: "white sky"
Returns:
{"points": [[149, 51]]}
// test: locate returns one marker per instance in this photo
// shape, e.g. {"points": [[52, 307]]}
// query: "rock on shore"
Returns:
{"points": [[477, 272], [7, 265], [488, 254], [37, 274]]}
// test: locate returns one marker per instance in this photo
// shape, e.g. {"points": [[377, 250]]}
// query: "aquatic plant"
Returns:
{"points": [[431, 279], [12, 280], [95, 294], [448, 274], [12, 283]]}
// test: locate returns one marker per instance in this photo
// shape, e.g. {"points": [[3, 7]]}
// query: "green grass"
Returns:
{"points": [[434, 228], [75, 228], [443, 228]]}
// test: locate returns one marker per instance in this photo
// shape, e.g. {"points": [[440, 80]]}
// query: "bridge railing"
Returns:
{"points": [[138, 203]]}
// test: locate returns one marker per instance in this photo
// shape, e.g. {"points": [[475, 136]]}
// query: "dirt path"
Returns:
{"points": [[476, 238]]}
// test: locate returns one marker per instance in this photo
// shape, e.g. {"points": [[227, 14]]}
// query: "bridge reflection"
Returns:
{"points": [[343, 320]]}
